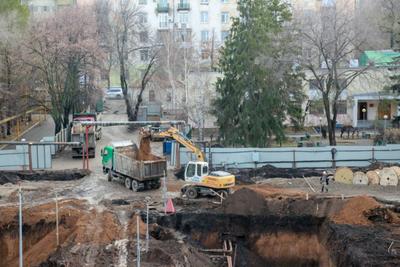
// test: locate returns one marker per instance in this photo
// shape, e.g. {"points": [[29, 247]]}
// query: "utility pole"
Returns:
{"points": [[21, 256], [165, 192], [147, 226], [57, 232], [138, 241]]}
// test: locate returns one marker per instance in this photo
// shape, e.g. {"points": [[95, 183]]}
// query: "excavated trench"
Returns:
{"points": [[259, 240], [292, 231]]}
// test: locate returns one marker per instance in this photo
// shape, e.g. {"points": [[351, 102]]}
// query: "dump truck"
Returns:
{"points": [[123, 160], [78, 134]]}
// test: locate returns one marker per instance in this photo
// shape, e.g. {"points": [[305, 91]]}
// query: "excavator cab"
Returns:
{"points": [[196, 171]]}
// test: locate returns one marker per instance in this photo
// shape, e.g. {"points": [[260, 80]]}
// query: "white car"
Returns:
{"points": [[114, 93]]}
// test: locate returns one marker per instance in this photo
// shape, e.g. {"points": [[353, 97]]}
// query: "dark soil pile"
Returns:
{"points": [[250, 176], [39, 175]]}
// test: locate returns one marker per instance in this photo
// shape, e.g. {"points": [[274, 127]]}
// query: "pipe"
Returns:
{"points": [[21, 256], [37, 143], [118, 123]]}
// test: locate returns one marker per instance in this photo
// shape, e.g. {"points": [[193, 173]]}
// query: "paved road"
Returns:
{"points": [[45, 128]]}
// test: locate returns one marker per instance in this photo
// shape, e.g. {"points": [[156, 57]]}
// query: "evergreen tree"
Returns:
{"points": [[259, 87]]}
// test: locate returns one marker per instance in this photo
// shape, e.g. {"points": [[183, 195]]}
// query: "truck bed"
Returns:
{"points": [[126, 164]]}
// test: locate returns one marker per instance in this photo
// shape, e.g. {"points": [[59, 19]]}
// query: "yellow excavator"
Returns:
{"points": [[200, 180]]}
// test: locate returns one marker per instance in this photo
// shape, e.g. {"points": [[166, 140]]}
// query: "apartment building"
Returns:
{"points": [[202, 21], [43, 7]]}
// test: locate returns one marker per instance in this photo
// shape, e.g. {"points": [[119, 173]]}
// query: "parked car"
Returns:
{"points": [[114, 93]]}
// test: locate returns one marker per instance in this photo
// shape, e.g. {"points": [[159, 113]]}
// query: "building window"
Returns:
{"points": [[45, 8], [316, 107], [144, 55], [163, 19], [204, 2], [169, 97], [341, 107], [224, 35], [224, 17], [143, 36], [205, 54], [142, 2], [152, 96], [183, 18], [328, 3], [224, 1], [204, 16], [204, 36], [142, 17]]}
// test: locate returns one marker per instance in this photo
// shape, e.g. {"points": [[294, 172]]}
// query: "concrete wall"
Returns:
{"points": [[318, 157]]}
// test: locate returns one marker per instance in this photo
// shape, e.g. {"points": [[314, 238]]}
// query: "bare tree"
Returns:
{"points": [[127, 23], [331, 41], [390, 20], [63, 50], [145, 79], [12, 84], [177, 60], [103, 11]]}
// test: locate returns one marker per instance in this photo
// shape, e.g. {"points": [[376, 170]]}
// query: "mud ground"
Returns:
{"points": [[277, 222]]}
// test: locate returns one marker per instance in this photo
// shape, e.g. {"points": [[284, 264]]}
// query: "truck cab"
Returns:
{"points": [[198, 172], [107, 158]]}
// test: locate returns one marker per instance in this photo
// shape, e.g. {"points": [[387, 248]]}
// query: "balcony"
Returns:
{"points": [[162, 8], [183, 6]]}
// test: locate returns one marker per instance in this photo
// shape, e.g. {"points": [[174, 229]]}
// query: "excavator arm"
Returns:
{"points": [[181, 139]]}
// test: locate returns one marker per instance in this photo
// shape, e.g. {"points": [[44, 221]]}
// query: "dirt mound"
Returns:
{"points": [[77, 225], [289, 248], [145, 149], [39, 175], [258, 199], [132, 226], [355, 211]]}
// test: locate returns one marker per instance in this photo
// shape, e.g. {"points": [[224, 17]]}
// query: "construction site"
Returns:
{"points": [[72, 216]]}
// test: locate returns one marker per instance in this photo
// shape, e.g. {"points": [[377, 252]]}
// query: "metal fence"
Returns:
{"points": [[28, 155], [316, 157], [61, 137]]}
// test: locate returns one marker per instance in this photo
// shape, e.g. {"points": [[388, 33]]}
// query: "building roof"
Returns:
{"points": [[380, 58]]}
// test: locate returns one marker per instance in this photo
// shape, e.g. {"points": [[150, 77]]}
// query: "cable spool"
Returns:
{"points": [[373, 178], [344, 175], [388, 177], [360, 178], [396, 170]]}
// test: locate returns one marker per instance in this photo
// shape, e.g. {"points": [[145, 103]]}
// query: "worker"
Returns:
{"points": [[324, 180]]}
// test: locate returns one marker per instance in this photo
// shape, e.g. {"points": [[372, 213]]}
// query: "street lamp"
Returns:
{"points": [[385, 117], [364, 112]]}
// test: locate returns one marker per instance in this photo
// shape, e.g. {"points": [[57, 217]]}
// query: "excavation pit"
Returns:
{"points": [[267, 228]]}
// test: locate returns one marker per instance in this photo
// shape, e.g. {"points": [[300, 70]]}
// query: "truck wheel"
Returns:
{"points": [[157, 185], [135, 186], [191, 193], [128, 183], [109, 175]]}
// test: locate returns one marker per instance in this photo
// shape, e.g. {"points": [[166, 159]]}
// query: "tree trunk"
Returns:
{"points": [[330, 123]]}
